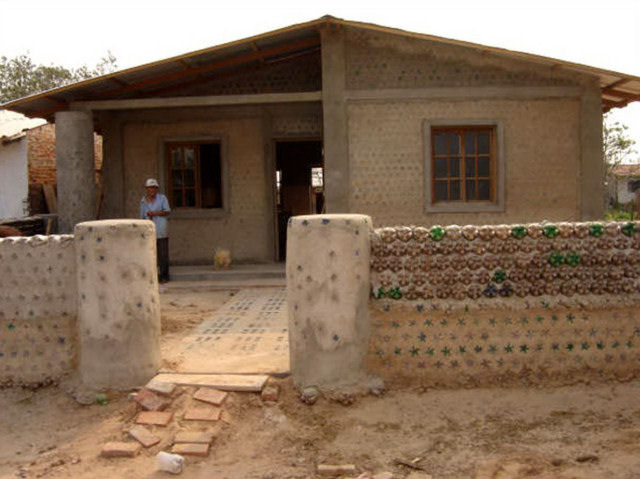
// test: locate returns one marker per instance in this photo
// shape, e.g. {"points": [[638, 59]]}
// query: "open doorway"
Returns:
{"points": [[299, 181]]}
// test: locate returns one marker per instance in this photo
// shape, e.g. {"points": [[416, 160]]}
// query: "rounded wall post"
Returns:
{"points": [[328, 298], [118, 303]]}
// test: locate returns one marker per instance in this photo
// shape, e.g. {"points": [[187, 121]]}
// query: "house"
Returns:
{"points": [[14, 179], [27, 163], [405, 127], [624, 184]]}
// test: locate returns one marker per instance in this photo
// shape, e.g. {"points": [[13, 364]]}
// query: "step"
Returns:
{"points": [[236, 273]]}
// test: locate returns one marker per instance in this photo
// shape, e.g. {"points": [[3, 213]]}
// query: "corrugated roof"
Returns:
{"points": [[13, 125], [618, 89]]}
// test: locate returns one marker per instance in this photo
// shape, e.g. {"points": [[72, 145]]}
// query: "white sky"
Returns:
{"points": [[603, 33]]}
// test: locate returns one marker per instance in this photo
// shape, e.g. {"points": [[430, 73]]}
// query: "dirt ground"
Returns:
{"points": [[580, 431]]}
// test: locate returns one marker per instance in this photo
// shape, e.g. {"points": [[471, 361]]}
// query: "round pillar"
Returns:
{"points": [[118, 303], [75, 168], [328, 298]]}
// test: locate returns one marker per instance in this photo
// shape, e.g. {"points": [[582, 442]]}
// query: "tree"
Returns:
{"points": [[616, 145], [20, 76]]}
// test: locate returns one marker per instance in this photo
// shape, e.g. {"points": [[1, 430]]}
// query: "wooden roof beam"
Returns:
{"points": [[184, 65], [118, 82], [225, 62], [623, 94], [615, 84]]}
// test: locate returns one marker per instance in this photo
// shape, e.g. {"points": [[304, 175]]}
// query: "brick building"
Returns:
{"points": [[35, 145], [337, 116]]}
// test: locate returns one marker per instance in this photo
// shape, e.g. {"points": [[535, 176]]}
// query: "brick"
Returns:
{"points": [[193, 437], [211, 396], [150, 401], [161, 387], [143, 436], [120, 449], [154, 418], [202, 414], [191, 449], [270, 393], [336, 469]]}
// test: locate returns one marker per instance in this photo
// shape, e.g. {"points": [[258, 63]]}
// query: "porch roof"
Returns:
{"points": [[149, 80]]}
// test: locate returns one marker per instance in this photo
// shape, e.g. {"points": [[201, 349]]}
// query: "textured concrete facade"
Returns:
{"points": [[380, 94], [327, 295], [118, 303], [134, 151], [551, 140], [245, 226], [37, 308], [542, 153]]}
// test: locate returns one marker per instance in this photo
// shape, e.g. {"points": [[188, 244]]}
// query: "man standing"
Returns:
{"points": [[155, 207]]}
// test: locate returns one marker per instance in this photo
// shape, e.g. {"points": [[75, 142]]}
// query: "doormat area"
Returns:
{"points": [[249, 334]]}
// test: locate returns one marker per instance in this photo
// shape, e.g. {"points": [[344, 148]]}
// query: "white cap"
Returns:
{"points": [[152, 182]]}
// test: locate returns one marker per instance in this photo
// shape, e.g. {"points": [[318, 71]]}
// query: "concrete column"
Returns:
{"points": [[112, 167], [75, 168], [328, 298], [334, 111], [118, 303], [591, 162]]}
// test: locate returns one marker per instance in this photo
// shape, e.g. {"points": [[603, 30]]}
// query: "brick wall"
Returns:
{"points": [[41, 163]]}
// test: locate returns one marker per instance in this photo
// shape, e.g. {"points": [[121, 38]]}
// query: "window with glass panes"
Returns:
{"points": [[462, 166], [195, 175]]}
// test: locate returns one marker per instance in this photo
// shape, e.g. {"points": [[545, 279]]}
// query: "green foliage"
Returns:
{"points": [[617, 147], [550, 231], [20, 76], [620, 215], [519, 232], [437, 233]]}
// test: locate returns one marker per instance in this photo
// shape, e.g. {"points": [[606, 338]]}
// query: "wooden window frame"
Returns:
{"points": [[462, 178], [496, 162], [196, 173], [164, 164]]}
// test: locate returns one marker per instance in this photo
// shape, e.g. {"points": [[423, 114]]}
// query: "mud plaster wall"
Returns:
{"points": [[245, 228], [507, 304], [541, 150], [37, 308]]}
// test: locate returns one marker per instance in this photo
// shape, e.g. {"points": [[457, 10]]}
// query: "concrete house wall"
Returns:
{"points": [[13, 178], [380, 94], [134, 146], [396, 85]]}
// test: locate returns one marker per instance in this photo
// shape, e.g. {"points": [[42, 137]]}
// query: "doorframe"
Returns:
{"points": [[274, 192]]}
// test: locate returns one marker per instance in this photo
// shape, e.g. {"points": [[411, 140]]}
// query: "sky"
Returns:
{"points": [[602, 33]]}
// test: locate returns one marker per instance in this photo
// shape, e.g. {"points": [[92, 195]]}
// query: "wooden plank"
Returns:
{"points": [[210, 100], [224, 382], [50, 198]]}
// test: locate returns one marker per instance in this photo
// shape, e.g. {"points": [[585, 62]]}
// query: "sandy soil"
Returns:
{"points": [[581, 431]]}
